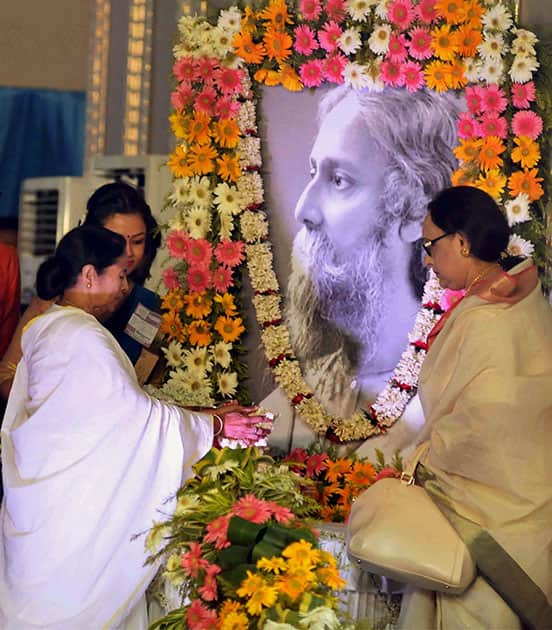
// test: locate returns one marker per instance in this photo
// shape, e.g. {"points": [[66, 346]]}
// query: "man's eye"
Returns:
{"points": [[340, 181]]}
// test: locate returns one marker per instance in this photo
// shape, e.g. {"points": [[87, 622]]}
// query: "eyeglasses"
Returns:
{"points": [[427, 245]]}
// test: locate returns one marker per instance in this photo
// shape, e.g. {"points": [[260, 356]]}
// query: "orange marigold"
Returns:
{"points": [[526, 181]]}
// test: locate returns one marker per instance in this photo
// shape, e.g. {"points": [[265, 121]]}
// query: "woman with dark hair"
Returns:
{"points": [[89, 459], [485, 390]]}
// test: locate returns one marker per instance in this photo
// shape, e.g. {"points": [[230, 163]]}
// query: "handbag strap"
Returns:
{"points": [[407, 476]]}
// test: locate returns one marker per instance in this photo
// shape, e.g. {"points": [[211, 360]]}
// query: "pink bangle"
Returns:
{"points": [[217, 417]]}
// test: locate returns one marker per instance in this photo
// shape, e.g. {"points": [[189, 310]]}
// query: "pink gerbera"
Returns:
{"points": [[467, 126], [229, 80], [311, 73], [413, 76], [230, 253], [333, 67], [523, 94], [493, 100], [252, 509], [192, 561], [208, 590], [222, 279], [397, 48], [527, 123], [170, 278], [217, 532], [280, 513], [473, 96], [177, 244], [197, 615], [400, 13], [205, 100], [493, 125], [328, 36], [185, 69], [335, 10], [305, 40], [420, 43], [199, 251], [316, 463], [226, 107], [199, 278], [425, 11], [206, 68], [391, 73], [310, 9], [183, 96]]}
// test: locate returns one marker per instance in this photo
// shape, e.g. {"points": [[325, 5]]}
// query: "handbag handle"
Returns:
{"points": [[407, 475]]}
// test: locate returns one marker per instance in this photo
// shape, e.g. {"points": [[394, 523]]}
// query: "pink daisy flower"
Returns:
{"points": [[183, 96], [217, 532], [208, 590], [192, 561], [420, 43], [199, 251], [229, 80], [280, 513], [170, 278], [206, 68], [185, 69], [311, 73], [316, 464], [197, 615], [473, 95], [397, 48], [391, 73], [493, 100], [226, 107], [252, 509], [493, 125], [328, 36], [335, 9], [177, 244], [413, 76], [230, 253], [310, 9], [333, 68], [199, 278], [205, 100], [523, 94], [305, 40], [467, 126], [450, 297], [527, 123], [425, 11], [222, 279], [400, 13]]}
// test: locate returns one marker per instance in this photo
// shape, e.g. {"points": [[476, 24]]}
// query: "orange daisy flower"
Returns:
{"points": [[437, 75], [474, 14], [227, 133], [268, 77], [178, 163], [492, 148], [467, 39], [198, 305], [362, 474], [444, 43], [277, 14], [249, 21], [453, 11], [171, 326], [229, 329], [173, 301], [201, 159], [247, 49], [228, 167], [179, 125], [492, 182], [467, 150], [198, 130], [200, 333], [527, 152], [337, 468], [461, 177], [527, 182], [289, 78], [278, 45], [457, 78]]}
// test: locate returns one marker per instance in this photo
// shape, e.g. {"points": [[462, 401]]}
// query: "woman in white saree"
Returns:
{"points": [[485, 389], [89, 459]]}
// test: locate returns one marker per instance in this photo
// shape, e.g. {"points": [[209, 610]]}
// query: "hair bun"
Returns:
{"points": [[52, 277]]}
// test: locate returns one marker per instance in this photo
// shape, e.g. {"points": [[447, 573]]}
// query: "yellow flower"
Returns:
{"points": [[289, 78], [173, 301], [492, 182], [179, 125], [436, 75], [489, 155], [453, 11], [247, 49], [171, 326], [278, 45], [467, 150], [443, 42], [201, 159], [527, 182], [331, 578], [277, 14], [292, 585], [274, 565], [301, 553], [249, 21], [268, 77], [227, 133], [233, 621], [228, 167], [461, 177], [527, 152], [229, 606], [198, 305], [228, 328], [198, 130], [199, 332], [263, 597], [250, 584], [456, 76], [178, 163], [227, 303]]}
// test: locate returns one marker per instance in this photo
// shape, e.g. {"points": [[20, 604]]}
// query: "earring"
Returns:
{"points": [[88, 285], [465, 251]]}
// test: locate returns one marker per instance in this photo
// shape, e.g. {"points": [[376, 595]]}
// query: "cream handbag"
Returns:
{"points": [[396, 530]]}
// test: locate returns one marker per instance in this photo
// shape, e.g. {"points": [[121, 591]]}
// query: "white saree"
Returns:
{"points": [[89, 461]]}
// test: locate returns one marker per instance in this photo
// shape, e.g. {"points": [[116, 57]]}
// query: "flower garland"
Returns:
{"points": [[439, 44]]}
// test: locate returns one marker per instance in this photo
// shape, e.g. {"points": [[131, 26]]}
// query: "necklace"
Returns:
{"points": [[479, 277]]}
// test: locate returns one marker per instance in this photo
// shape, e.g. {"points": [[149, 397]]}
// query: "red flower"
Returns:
{"points": [[222, 279], [316, 464], [230, 253]]}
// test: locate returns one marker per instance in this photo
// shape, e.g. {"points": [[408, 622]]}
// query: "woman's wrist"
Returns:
{"points": [[217, 419]]}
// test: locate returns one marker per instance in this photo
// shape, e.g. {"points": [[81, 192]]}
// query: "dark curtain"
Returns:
{"points": [[42, 134]]}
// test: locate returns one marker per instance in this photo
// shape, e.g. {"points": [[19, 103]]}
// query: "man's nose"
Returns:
{"points": [[307, 210]]}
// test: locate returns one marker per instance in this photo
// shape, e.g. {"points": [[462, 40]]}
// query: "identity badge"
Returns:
{"points": [[143, 325]]}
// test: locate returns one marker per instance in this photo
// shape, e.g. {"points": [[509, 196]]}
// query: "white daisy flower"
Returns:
{"points": [[497, 18], [523, 68], [521, 47], [227, 198], [359, 9], [492, 47], [227, 383], [379, 39], [524, 35], [519, 246], [517, 210], [178, 222], [349, 41], [198, 361], [199, 192], [221, 353], [179, 193], [198, 222], [382, 9], [356, 76], [173, 354], [472, 69], [226, 224], [221, 41], [492, 71], [230, 20]]}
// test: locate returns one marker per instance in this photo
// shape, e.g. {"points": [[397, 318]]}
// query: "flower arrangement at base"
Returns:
{"points": [[240, 551]]}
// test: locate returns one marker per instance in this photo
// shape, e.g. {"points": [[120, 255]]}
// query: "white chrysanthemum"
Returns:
{"points": [[517, 210], [174, 354], [523, 68], [198, 361], [497, 18], [230, 19], [180, 191], [247, 117], [492, 47], [356, 76], [519, 246], [379, 39], [227, 198], [226, 224], [227, 383], [526, 36], [472, 69], [492, 71], [521, 47], [198, 222], [199, 192], [221, 353], [359, 9], [382, 9], [349, 41], [372, 71], [221, 41]]}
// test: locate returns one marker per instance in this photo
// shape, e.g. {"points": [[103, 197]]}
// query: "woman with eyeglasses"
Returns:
{"points": [[486, 391]]}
